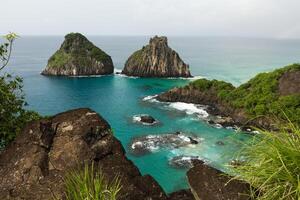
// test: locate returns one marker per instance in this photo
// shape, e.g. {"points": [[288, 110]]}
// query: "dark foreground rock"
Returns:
{"points": [[156, 60], [78, 56], [34, 165], [208, 183]]}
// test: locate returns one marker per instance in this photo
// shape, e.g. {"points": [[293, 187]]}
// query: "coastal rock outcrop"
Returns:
{"points": [[34, 165], [78, 56], [210, 184], [254, 103], [156, 59]]}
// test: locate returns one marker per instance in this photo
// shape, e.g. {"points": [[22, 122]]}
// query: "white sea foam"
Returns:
{"points": [[151, 98], [190, 109], [189, 78], [117, 70]]}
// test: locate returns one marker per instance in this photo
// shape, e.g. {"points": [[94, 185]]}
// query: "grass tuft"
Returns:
{"points": [[89, 184], [272, 165]]}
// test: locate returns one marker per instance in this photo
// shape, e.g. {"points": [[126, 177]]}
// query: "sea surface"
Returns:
{"points": [[118, 98]]}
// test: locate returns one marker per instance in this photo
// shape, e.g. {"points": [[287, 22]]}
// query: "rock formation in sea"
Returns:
{"points": [[156, 59], [252, 104], [78, 56], [34, 165], [144, 119], [149, 143], [208, 183]]}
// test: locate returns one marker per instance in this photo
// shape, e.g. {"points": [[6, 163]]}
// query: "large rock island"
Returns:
{"points": [[78, 56], [265, 100], [156, 59]]}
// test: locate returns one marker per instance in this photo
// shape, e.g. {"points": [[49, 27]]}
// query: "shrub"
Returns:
{"points": [[13, 116], [90, 184], [272, 165]]}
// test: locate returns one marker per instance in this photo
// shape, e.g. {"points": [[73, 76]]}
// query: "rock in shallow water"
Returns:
{"points": [[144, 119], [156, 60], [151, 143], [183, 161]]}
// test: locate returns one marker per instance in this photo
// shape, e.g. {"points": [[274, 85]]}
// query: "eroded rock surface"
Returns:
{"points": [[78, 56], [289, 83], [208, 183], [33, 166], [156, 59]]}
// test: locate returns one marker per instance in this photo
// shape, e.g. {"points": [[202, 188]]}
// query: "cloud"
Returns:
{"points": [[245, 18]]}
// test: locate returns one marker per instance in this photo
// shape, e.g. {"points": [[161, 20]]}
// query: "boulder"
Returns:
{"points": [[78, 56], [144, 119], [208, 183], [156, 59], [34, 165]]}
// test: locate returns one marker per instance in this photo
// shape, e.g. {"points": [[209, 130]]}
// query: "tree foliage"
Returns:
{"points": [[13, 115]]}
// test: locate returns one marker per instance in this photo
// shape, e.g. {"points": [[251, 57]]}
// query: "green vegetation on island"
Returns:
{"points": [[78, 56], [260, 96], [67, 53]]}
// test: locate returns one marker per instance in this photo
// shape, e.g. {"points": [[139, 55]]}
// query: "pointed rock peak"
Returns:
{"points": [[78, 56], [159, 41], [156, 59]]}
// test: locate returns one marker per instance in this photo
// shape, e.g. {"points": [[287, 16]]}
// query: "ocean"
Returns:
{"points": [[119, 98]]}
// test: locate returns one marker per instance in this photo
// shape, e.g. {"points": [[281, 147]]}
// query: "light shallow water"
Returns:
{"points": [[119, 98]]}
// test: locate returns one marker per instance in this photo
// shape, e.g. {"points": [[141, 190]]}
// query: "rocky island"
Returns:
{"points": [[254, 103], [78, 56], [156, 59]]}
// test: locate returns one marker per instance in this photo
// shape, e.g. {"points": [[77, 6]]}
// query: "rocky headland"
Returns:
{"points": [[78, 56], [254, 103], [34, 165], [156, 59]]}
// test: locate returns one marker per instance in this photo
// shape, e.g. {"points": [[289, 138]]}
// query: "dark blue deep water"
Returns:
{"points": [[118, 98]]}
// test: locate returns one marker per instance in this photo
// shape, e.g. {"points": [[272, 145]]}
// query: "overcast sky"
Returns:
{"points": [[244, 18]]}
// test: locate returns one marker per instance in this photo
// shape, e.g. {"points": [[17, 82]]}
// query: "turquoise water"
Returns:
{"points": [[118, 98]]}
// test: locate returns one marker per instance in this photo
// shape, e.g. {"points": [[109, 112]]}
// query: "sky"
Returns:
{"points": [[241, 18]]}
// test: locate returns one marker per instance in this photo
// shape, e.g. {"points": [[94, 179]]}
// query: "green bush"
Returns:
{"points": [[13, 116], [272, 165], [89, 184]]}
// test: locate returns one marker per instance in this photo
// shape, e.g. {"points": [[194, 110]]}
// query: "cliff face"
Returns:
{"points": [[254, 103], [78, 56], [34, 165], [156, 59]]}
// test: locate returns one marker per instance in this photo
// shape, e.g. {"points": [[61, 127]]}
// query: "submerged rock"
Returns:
{"points": [[78, 56], [183, 161], [210, 184], [220, 143], [150, 143], [144, 119], [34, 165], [156, 60]]}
